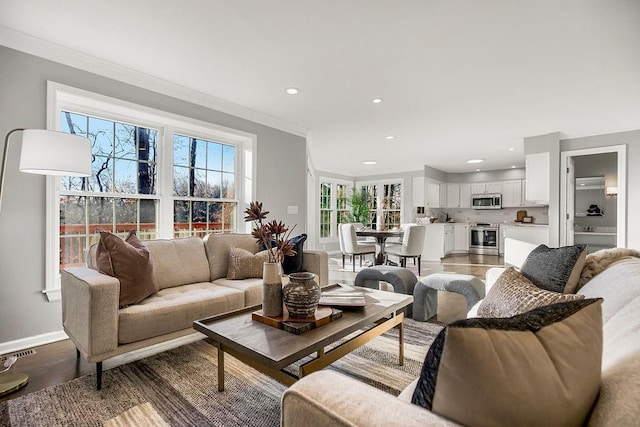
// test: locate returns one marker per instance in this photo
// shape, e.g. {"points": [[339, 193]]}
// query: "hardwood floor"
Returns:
{"points": [[57, 363]]}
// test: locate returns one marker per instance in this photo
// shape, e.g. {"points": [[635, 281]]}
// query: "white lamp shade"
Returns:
{"points": [[49, 152]]}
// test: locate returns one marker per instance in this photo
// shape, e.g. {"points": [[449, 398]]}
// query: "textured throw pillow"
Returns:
{"points": [[293, 264], [245, 265], [538, 368], [555, 269], [515, 294], [130, 262]]}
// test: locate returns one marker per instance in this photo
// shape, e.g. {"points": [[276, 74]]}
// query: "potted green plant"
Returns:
{"points": [[359, 202]]}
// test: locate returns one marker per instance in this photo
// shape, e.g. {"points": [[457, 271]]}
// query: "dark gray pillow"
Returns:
{"points": [[541, 367], [555, 269]]}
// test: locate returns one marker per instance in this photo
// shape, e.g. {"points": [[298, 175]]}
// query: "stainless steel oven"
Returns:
{"points": [[484, 239]]}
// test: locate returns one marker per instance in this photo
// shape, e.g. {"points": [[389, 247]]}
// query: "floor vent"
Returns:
{"points": [[20, 354]]}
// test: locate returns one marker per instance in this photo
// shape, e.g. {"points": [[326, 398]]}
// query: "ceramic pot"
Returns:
{"points": [[301, 294], [272, 289]]}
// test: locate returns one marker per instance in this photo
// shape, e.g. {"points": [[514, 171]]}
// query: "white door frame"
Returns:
{"points": [[621, 219]]}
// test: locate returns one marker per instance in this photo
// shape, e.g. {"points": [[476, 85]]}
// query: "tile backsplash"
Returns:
{"points": [[500, 216]]}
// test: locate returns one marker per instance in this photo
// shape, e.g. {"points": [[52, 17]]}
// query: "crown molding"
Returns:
{"points": [[35, 46]]}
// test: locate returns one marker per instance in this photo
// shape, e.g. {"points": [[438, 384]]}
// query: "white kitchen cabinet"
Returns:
{"points": [[453, 195], [443, 195], [512, 194], [465, 196], [478, 188], [433, 248], [486, 188], [537, 168], [526, 202], [433, 199], [461, 237], [418, 191], [449, 239]]}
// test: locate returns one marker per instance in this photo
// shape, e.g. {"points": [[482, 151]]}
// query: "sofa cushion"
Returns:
{"points": [[173, 309], [515, 294], [555, 269], [130, 262], [252, 289], [179, 261], [538, 368], [245, 265], [217, 247]]}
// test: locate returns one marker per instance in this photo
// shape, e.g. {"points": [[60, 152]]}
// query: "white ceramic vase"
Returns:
{"points": [[272, 289]]}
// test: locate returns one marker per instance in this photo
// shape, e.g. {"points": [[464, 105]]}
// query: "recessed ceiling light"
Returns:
{"points": [[369, 162], [475, 161], [511, 149], [376, 100], [390, 137], [293, 90], [477, 170], [513, 167]]}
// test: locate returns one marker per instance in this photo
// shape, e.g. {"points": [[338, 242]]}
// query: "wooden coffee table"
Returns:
{"points": [[270, 350]]}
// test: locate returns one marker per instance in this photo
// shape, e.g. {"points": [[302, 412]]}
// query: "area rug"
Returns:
{"points": [[349, 267], [179, 387]]}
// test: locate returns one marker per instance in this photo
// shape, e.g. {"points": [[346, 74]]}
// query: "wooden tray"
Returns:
{"points": [[298, 325]]}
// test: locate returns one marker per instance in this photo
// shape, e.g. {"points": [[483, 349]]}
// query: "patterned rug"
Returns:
{"points": [[349, 267], [179, 387]]}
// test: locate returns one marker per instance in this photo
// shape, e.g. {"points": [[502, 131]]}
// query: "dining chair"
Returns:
{"points": [[349, 245], [411, 247]]}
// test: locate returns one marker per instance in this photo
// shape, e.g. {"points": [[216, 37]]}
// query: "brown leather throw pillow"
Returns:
{"points": [[130, 262]]}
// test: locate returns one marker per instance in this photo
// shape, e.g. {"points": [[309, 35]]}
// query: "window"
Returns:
{"points": [[157, 173], [203, 186], [385, 204], [334, 207]]}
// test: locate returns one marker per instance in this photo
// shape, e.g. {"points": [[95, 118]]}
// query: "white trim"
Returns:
{"points": [[35, 341], [53, 294], [379, 183], [47, 50], [621, 219], [61, 97]]}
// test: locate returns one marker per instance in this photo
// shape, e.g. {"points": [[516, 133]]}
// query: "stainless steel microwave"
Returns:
{"points": [[486, 201]]}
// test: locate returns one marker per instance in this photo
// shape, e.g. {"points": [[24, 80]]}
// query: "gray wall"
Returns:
{"points": [[281, 180]]}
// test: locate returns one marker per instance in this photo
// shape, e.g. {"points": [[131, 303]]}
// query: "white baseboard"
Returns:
{"points": [[24, 343]]}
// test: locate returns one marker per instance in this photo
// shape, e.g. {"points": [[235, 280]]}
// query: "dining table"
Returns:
{"points": [[381, 237]]}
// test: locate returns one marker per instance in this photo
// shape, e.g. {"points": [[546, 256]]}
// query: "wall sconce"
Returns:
{"points": [[612, 191]]}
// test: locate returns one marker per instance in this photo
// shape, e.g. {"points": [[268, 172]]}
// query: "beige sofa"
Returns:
{"points": [[191, 275], [314, 400]]}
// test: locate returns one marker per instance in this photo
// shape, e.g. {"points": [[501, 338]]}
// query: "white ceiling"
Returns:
{"points": [[460, 79]]}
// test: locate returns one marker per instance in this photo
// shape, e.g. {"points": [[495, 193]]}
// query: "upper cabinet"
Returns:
{"points": [[465, 196], [486, 188], [453, 195], [458, 195], [434, 198], [537, 173], [512, 194]]}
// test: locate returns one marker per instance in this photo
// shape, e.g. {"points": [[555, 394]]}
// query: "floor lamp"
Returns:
{"points": [[44, 152]]}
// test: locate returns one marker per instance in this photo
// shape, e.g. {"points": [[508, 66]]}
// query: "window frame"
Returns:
{"points": [[333, 235], [66, 98], [380, 195]]}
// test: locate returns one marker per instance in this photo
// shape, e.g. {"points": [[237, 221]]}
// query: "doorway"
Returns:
{"points": [[594, 211]]}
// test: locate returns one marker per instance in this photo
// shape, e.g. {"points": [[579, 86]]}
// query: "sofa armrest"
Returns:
{"points": [[326, 398], [317, 262], [90, 302]]}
